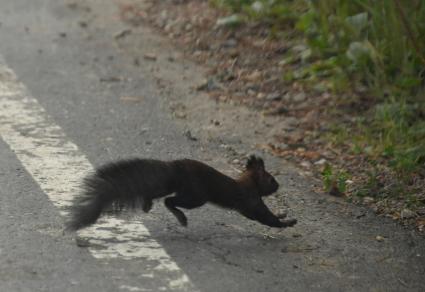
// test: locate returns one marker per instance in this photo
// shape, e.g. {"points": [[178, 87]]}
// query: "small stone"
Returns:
{"points": [[292, 121], [250, 92], [180, 114], [232, 20], [82, 242], [287, 97], [203, 85], [368, 200], [306, 164], [236, 161], [234, 53], [281, 145], [407, 214], [280, 110], [257, 6], [320, 162], [379, 238], [274, 96], [299, 48], [188, 27], [299, 97], [197, 53], [164, 14], [150, 56], [254, 76], [168, 27], [308, 173]]}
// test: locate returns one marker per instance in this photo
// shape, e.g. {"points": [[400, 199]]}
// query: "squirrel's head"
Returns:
{"points": [[263, 180]]}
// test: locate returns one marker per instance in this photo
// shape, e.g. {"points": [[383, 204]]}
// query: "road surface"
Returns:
{"points": [[79, 88]]}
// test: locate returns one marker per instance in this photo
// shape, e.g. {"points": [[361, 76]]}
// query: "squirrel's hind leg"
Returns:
{"points": [[180, 201], [146, 205]]}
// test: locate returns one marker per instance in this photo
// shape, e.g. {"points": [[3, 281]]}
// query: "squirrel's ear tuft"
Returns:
{"points": [[255, 162]]}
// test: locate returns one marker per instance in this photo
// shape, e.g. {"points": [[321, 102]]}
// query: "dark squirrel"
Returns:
{"points": [[135, 183]]}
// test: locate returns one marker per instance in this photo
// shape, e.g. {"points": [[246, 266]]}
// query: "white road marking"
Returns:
{"points": [[58, 166], [131, 288]]}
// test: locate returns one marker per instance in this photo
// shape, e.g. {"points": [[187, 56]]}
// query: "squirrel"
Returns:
{"points": [[136, 182]]}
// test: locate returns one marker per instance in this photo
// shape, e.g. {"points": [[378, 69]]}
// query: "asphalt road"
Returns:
{"points": [[72, 96]]}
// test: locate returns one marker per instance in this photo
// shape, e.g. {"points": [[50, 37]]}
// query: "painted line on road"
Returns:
{"points": [[58, 166]]}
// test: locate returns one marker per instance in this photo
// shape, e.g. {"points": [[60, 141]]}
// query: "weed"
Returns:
{"points": [[332, 178]]}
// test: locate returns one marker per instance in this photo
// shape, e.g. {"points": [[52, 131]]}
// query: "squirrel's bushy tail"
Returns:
{"points": [[89, 205], [124, 184]]}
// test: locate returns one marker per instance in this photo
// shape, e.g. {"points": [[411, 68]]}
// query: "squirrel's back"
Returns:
{"points": [[203, 180], [137, 177]]}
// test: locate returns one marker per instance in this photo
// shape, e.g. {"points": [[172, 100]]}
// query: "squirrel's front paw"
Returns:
{"points": [[289, 222], [282, 215]]}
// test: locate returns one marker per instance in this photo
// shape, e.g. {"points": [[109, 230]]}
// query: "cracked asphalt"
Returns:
{"points": [[68, 55]]}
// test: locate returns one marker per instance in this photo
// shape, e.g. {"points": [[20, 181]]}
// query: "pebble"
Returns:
{"points": [[407, 214], [299, 97], [257, 6], [150, 56], [368, 200], [320, 162], [229, 20], [379, 238], [306, 164], [274, 96], [180, 114], [250, 92]]}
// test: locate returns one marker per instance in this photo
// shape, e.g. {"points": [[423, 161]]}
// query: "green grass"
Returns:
{"points": [[374, 41], [398, 133]]}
